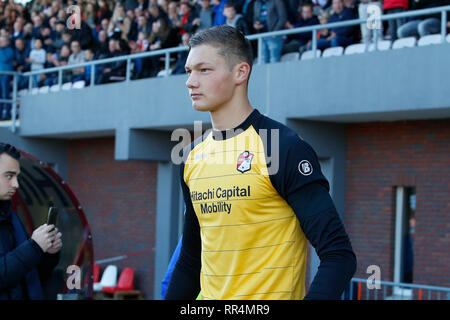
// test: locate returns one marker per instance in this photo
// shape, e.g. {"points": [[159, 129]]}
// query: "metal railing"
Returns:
{"points": [[386, 290], [258, 37]]}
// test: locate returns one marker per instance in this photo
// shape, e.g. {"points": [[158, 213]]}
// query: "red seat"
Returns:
{"points": [[96, 273], [125, 283]]}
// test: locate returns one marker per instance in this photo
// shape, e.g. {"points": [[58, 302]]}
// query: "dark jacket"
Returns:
{"points": [[23, 264], [346, 14], [306, 36], [276, 14]]}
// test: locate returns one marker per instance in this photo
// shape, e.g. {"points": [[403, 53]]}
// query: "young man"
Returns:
{"points": [[24, 261], [252, 200]]}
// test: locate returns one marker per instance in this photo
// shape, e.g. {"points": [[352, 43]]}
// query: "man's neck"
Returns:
{"points": [[231, 116]]}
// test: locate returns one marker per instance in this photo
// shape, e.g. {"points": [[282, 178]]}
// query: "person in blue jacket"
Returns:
{"points": [[25, 263], [6, 64]]}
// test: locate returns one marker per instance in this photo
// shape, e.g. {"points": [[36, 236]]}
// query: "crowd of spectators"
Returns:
{"points": [[43, 34]]}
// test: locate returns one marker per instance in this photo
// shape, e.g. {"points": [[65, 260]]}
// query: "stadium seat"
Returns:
{"points": [[383, 45], [125, 283], [355, 48], [22, 92], [54, 88], [408, 42], [429, 39], [66, 86], [44, 89], [109, 278], [79, 84], [448, 37], [333, 52], [162, 73], [310, 54], [35, 91], [290, 56]]}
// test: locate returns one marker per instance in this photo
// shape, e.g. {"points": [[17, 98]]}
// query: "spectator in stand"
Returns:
{"points": [[163, 36], [47, 43], [27, 34], [205, 18], [395, 6], [91, 16], [59, 59], [103, 11], [350, 4], [235, 20], [37, 59], [219, 18], [155, 13], [76, 57], [37, 20], [368, 35], [6, 64], [143, 25], [114, 69], [89, 55], [270, 15], [301, 41], [182, 56], [57, 35], [173, 13], [342, 36], [18, 30], [186, 18], [120, 24], [20, 62], [102, 48], [133, 33], [422, 25]]}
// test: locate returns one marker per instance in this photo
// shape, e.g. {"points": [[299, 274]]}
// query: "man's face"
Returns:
{"points": [[229, 12], [19, 44], [338, 6], [307, 12], [75, 47], [210, 83], [9, 171]]}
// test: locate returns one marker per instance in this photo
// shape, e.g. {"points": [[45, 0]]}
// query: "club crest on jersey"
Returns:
{"points": [[244, 162], [305, 167]]}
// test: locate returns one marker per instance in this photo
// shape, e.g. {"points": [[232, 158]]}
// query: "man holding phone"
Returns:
{"points": [[25, 263]]}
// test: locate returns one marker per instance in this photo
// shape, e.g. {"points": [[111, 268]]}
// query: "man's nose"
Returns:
{"points": [[191, 82], [15, 183]]}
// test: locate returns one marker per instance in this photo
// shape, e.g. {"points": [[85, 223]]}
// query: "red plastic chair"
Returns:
{"points": [[125, 283], [96, 273]]}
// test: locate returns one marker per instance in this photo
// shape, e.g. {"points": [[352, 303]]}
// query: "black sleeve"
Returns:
{"points": [[47, 265], [300, 181], [185, 281], [17, 263], [323, 228]]}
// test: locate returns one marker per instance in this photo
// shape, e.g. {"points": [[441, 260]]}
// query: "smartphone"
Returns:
{"points": [[52, 215]]}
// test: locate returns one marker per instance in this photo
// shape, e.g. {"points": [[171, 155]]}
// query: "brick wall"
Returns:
{"points": [[119, 199], [381, 156]]}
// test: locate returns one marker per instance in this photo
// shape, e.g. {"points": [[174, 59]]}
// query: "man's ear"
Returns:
{"points": [[242, 72]]}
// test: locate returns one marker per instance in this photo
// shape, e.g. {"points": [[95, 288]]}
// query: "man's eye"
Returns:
{"points": [[9, 177], [203, 70]]}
